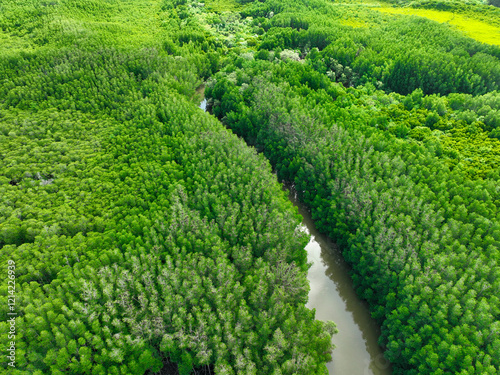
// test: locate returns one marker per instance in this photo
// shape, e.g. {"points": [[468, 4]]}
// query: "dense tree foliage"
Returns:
{"points": [[400, 56], [142, 231], [408, 185], [423, 240]]}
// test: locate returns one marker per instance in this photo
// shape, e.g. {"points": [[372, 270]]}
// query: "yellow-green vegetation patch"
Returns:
{"points": [[354, 23], [478, 30]]}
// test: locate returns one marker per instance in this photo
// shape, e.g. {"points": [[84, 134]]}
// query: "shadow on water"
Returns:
{"points": [[332, 295]]}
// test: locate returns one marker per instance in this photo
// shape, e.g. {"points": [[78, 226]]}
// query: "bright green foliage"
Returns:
{"points": [[141, 229]]}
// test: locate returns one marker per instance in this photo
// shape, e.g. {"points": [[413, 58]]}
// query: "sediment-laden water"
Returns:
{"points": [[332, 295]]}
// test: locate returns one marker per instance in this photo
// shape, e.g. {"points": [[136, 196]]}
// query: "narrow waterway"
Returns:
{"points": [[332, 295], [200, 93]]}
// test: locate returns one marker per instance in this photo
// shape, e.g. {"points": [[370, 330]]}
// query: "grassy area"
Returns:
{"points": [[132, 23], [475, 29]]}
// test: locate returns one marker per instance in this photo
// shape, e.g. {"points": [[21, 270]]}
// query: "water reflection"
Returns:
{"points": [[203, 104], [332, 295]]}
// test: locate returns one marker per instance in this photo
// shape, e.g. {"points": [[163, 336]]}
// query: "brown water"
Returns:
{"points": [[332, 295]]}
